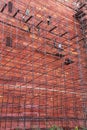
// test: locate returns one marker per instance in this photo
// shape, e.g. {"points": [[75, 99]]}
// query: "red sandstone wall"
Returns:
{"points": [[39, 85]]}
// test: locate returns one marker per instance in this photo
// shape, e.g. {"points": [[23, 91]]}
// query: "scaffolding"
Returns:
{"points": [[43, 63]]}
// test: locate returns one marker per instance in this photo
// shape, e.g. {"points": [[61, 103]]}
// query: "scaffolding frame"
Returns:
{"points": [[41, 83]]}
